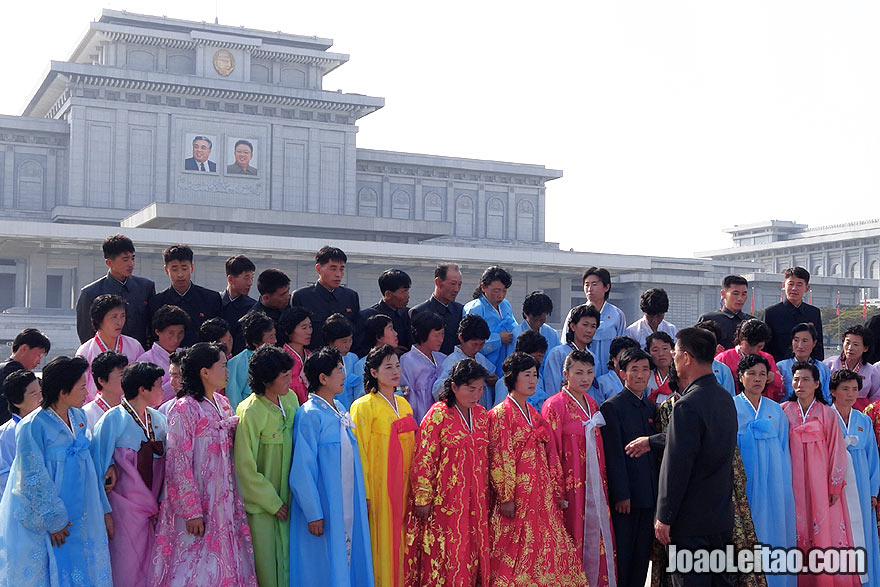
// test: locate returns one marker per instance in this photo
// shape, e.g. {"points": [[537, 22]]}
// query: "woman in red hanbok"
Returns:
{"points": [[529, 543], [574, 420], [873, 412], [818, 466], [447, 534]]}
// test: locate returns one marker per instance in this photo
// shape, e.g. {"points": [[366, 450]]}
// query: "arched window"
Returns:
{"points": [[181, 63], [260, 73], [854, 270], [464, 216], [400, 205], [140, 59], [818, 270], [368, 202], [835, 269], [30, 186], [874, 270], [434, 207], [495, 219], [293, 78], [525, 221]]}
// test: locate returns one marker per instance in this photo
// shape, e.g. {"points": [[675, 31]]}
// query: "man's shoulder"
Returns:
{"points": [[714, 316], [773, 309], [305, 291], [205, 292], [95, 287]]}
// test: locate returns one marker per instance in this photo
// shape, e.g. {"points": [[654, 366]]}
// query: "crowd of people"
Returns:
{"points": [[203, 438]]}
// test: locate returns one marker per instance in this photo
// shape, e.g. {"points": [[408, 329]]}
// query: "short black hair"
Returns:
{"points": [[253, 326], [177, 253], [59, 376], [839, 377], [699, 343], [618, 344], [798, 273], [176, 358], [169, 315], [335, 327], [753, 332], [393, 280], [14, 386], [373, 361], [374, 328], [491, 275], [603, 275], [711, 327], [213, 330], [631, 356], [537, 303], [265, 365], [203, 138], [805, 327], [577, 356], [321, 362], [814, 373], [578, 313], [531, 342], [749, 361], [290, 318], [327, 253], [202, 355], [661, 336], [102, 305], [243, 142], [103, 365], [654, 301], [464, 372], [33, 338], [239, 264], [423, 323], [515, 364], [867, 338], [271, 280], [442, 270], [116, 245], [473, 327], [731, 280], [138, 375]]}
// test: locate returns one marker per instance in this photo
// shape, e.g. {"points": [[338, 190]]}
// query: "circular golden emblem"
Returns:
{"points": [[224, 62]]}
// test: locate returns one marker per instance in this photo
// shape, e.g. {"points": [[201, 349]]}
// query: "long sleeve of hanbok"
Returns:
{"points": [[254, 487], [362, 417], [304, 474], [554, 463], [425, 465], [873, 456], [36, 504], [836, 455], [183, 494], [502, 460], [104, 439]]}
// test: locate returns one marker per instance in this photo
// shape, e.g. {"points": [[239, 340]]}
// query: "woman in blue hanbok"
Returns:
{"points": [[54, 516], [491, 304], [329, 528], [762, 438], [863, 468]]}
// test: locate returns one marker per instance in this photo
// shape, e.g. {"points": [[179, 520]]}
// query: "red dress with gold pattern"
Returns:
{"points": [[587, 511], [533, 547], [450, 471]]}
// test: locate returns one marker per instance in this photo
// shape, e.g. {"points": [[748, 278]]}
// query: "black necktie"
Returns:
{"points": [[201, 166]]}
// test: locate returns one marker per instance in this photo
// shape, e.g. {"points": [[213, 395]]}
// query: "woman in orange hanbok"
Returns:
{"points": [[574, 420], [385, 431], [447, 538], [529, 543]]}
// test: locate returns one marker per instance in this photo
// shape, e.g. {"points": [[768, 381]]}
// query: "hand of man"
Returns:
{"points": [[316, 528], [622, 506], [196, 527], [638, 447], [282, 512], [661, 531]]}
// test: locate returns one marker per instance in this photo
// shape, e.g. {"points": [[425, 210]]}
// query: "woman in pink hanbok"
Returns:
{"points": [[202, 537], [818, 467]]}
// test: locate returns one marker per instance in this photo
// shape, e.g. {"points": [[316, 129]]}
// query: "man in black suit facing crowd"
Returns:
{"points": [[785, 315], [694, 503], [447, 284]]}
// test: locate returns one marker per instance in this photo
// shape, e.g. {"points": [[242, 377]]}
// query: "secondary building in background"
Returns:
{"points": [[225, 139]]}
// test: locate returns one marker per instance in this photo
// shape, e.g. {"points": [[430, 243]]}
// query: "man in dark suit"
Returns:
{"points": [[632, 480], [328, 296], [784, 316], [394, 285], [274, 287], [694, 504], [235, 299], [28, 348], [199, 302], [137, 291], [201, 151], [447, 284], [734, 292]]}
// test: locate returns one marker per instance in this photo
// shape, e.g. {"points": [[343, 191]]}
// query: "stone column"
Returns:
{"points": [[35, 287]]}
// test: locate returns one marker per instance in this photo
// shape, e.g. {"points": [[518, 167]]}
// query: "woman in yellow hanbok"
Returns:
{"points": [[385, 431]]}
